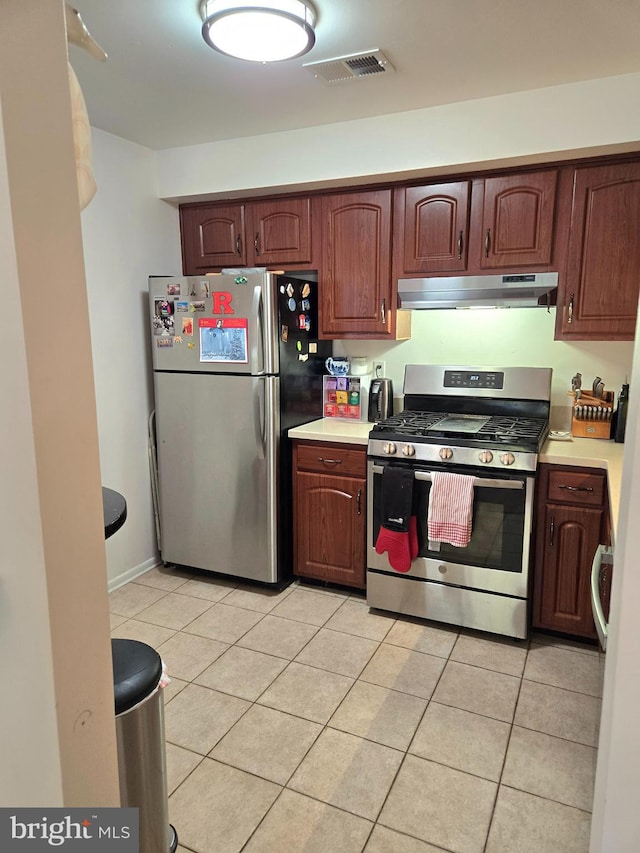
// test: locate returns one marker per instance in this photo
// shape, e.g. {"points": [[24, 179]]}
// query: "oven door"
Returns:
{"points": [[497, 556]]}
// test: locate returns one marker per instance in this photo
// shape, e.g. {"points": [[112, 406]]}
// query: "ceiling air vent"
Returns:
{"points": [[356, 65]]}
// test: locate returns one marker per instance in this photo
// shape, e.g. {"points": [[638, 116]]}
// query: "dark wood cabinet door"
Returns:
{"points": [[330, 528], [279, 231], [565, 549], [518, 220], [600, 296], [432, 227], [212, 237], [356, 289]]}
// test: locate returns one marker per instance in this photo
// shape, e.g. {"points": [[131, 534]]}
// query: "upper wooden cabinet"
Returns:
{"points": [[599, 299], [280, 231], [252, 234], [518, 220], [432, 227], [357, 298], [494, 223]]}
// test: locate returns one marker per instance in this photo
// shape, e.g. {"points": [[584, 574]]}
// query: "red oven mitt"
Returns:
{"points": [[397, 535], [396, 545]]}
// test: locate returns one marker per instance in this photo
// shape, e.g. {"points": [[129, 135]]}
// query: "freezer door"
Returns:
{"points": [[218, 449], [214, 324]]}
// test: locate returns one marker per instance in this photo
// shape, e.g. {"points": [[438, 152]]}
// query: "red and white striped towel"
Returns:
{"points": [[450, 508]]}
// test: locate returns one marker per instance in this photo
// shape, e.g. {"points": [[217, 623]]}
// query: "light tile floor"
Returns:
{"points": [[302, 721]]}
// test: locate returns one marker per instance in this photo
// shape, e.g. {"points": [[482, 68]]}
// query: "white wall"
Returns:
{"points": [[515, 336], [562, 121], [128, 234], [55, 657], [616, 823], [30, 763]]}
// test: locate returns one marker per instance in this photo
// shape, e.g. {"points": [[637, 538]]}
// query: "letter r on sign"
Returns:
{"points": [[222, 302]]}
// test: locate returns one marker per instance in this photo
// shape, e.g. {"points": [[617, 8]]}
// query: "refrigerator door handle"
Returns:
{"points": [[258, 418], [603, 554], [257, 340]]}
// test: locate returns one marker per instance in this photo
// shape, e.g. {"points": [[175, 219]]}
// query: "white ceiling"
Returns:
{"points": [[162, 86]]}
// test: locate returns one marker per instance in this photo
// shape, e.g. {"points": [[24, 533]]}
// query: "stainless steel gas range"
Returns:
{"points": [[485, 422]]}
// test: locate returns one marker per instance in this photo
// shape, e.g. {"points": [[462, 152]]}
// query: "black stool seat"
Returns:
{"points": [[136, 672]]}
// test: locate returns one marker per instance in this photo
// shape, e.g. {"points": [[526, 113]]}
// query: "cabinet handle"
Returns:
{"points": [[552, 529], [239, 244], [359, 501], [460, 246], [329, 461], [256, 244], [383, 312], [570, 311], [487, 242], [576, 488]]}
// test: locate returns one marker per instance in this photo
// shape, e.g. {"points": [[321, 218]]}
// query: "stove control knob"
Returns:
{"points": [[408, 450], [445, 453], [485, 456], [389, 448], [507, 458]]}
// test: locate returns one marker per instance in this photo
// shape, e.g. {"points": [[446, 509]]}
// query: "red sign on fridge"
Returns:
{"points": [[223, 340]]}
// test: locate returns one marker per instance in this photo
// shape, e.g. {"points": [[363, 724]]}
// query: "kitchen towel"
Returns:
{"points": [[81, 142], [398, 531], [450, 508]]}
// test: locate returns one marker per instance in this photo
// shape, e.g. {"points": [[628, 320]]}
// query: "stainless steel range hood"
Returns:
{"points": [[523, 290]]}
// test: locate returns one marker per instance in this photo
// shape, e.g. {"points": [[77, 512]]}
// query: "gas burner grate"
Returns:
{"points": [[503, 429], [409, 423]]}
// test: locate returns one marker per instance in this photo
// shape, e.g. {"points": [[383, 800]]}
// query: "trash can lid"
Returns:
{"points": [[136, 672]]}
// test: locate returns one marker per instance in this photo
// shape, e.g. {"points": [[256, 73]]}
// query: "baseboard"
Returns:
{"points": [[132, 574]]}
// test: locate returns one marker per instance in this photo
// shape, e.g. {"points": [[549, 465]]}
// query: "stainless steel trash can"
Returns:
{"points": [[139, 704]]}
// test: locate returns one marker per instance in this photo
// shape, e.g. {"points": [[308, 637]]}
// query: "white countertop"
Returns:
{"points": [[333, 429], [581, 452]]}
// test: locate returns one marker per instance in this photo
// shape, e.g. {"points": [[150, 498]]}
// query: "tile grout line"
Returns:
{"points": [[506, 751]]}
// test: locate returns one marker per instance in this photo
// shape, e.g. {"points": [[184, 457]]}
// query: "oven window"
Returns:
{"points": [[497, 538]]}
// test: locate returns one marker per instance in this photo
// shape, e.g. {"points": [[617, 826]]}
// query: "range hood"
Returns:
{"points": [[525, 290]]}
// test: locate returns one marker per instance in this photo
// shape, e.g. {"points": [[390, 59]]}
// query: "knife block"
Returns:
{"points": [[588, 427]]}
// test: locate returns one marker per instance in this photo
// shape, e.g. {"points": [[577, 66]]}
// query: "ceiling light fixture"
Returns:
{"points": [[261, 30]]}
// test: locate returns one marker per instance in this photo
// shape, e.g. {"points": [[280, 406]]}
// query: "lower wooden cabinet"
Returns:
{"points": [[572, 520], [329, 498]]}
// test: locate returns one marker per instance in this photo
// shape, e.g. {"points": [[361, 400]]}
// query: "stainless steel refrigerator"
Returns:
{"points": [[236, 363]]}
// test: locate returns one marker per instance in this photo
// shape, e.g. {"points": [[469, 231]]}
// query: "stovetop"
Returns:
{"points": [[459, 442], [467, 417], [481, 430]]}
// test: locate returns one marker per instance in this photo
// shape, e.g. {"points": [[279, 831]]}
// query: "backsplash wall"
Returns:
{"points": [[520, 337]]}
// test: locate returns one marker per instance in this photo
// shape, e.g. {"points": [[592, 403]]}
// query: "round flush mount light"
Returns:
{"points": [[259, 31]]}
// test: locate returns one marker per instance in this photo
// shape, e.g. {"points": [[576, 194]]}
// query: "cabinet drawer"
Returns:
{"points": [[324, 458], [576, 488]]}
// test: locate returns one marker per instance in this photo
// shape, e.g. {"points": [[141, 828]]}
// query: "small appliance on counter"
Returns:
{"points": [[380, 399], [620, 425]]}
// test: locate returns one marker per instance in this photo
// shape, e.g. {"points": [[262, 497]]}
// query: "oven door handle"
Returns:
{"points": [[478, 482]]}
